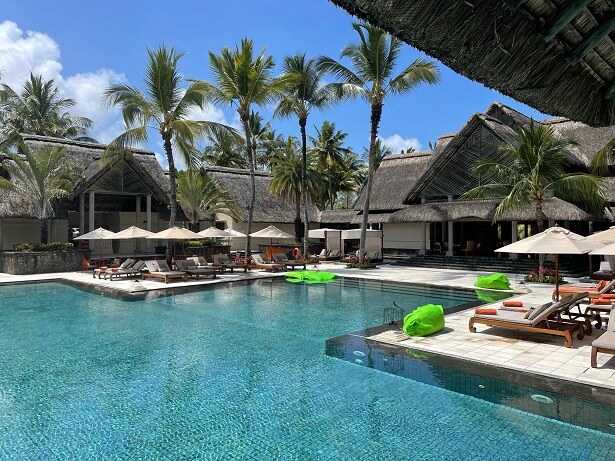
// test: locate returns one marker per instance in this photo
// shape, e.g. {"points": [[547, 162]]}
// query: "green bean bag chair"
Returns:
{"points": [[424, 320], [488, 296], [494, 281], [310, 277]]}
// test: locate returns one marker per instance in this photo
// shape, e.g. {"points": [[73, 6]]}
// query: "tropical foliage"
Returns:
{"points": [[224, 149], [287, 179], [41, 178], [374, 58], [534, 167], [243, 79], [165, 107], [201, 197], [328, 146], [38, 109]]}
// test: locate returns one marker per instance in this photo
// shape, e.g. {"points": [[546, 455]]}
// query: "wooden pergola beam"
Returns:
{"points": [[594, 39], [562, 18]]}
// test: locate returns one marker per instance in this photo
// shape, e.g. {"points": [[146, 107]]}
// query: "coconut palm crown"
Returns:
{"points": [[534, 167], [243, 79], [38, 109], [374, 58], [165, 107]]}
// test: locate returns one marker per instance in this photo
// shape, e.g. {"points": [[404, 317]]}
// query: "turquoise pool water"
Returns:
{"points": [[238, 372]]}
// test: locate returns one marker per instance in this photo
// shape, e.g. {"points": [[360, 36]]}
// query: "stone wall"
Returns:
{"points": [[13, 262]]}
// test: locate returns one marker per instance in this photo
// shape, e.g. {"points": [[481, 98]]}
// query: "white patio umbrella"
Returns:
{"points": [[554, 240], [605, 236], [272, 232], [97, 234], [131, 233], [235, 233], [213, 232], [175, 233]]}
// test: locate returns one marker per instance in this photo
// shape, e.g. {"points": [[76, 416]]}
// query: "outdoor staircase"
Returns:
{"points": [[569, 266]]}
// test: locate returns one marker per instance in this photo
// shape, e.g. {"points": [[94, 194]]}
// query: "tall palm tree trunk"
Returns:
{"points": [[298, 216], [44, 231], [540, 217], [246, 128], [375, 121], [166, 137], [306, 223]]}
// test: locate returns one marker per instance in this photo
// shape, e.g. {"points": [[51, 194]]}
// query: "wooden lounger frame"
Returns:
{"points": [[564, 329], [165, 277]]}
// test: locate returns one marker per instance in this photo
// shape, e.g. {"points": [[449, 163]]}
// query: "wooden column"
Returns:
{"points": [[449, 235], [81, 214], [148, 214], [513, 238], [423, 238], [91, 211]]}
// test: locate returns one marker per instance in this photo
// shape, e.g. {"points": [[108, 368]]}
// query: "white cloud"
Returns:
{"points": [[396, 143], [22, 53]]}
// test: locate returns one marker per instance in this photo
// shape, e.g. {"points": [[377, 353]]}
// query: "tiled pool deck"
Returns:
{"points": [[539, 354]]}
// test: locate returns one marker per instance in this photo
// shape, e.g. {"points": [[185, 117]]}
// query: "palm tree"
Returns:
{"points": [[164, 106], [38, 109], [303, 93], [374, 59], [41, 178], [287, 180], [348, 178], [534, 167], [201, 197], [224, 149], [381, 151], [242, 80], [328, 145]]}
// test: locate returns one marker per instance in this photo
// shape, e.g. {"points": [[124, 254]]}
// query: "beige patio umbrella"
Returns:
{"points": [[272, 232], [213, 232], [131, 233], [605, 236], [175, 233], [555, 241], [97, 234]]}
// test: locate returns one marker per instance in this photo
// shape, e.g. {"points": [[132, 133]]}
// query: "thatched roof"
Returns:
{"points": [[336, 216], [448, 171], [139, 172], [590, 140], [268, 208], [373, 218], [554, 208], [394, 179], [557, 57], [13, 205]]}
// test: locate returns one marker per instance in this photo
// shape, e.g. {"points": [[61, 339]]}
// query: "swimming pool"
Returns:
{"points": [[238, 372]]}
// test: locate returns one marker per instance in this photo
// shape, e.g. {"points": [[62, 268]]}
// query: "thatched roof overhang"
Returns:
{"points": [[336, 216], [393, 181], [419, 213], [373, 218], [484, 210], [558, 57], [138, 173], [14, 205], [267, 208]]}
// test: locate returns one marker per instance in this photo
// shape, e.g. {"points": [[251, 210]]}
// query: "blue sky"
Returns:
{"points": [[86, 46]]}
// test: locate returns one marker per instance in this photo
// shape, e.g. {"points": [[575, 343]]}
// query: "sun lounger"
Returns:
{"points": [[190, 268], [543, 319], [259, 263], [281, 258], [200, 261], [330, 255], [225, 262], [592, 291], [160, 270], [134, 270], [104, 270], [606, 342]]}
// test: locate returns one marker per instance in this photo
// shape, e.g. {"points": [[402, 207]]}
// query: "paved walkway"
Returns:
{"points": [[532, 353]]}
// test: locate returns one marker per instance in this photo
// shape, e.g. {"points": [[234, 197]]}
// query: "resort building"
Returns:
{"points": [[416, 196], [131, 191]]}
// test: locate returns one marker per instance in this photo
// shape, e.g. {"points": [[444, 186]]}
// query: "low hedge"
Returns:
{"points": [[52, 246]]}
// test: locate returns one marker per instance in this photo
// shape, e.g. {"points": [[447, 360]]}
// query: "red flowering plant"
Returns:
{"points": [[544, 275]]}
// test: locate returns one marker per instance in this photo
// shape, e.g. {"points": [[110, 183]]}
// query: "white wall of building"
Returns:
{"points": [[404, 236]]}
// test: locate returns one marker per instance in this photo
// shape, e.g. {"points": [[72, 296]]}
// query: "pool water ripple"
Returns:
{"points": [[237, 373]]}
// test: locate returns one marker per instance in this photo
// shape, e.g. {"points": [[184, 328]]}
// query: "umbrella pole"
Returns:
{"points": [[556, 277]]}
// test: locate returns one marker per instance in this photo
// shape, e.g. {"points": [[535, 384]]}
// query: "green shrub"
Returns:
{"points": [[545, 275], [51, 246], [195, 243], [358, 265]]}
